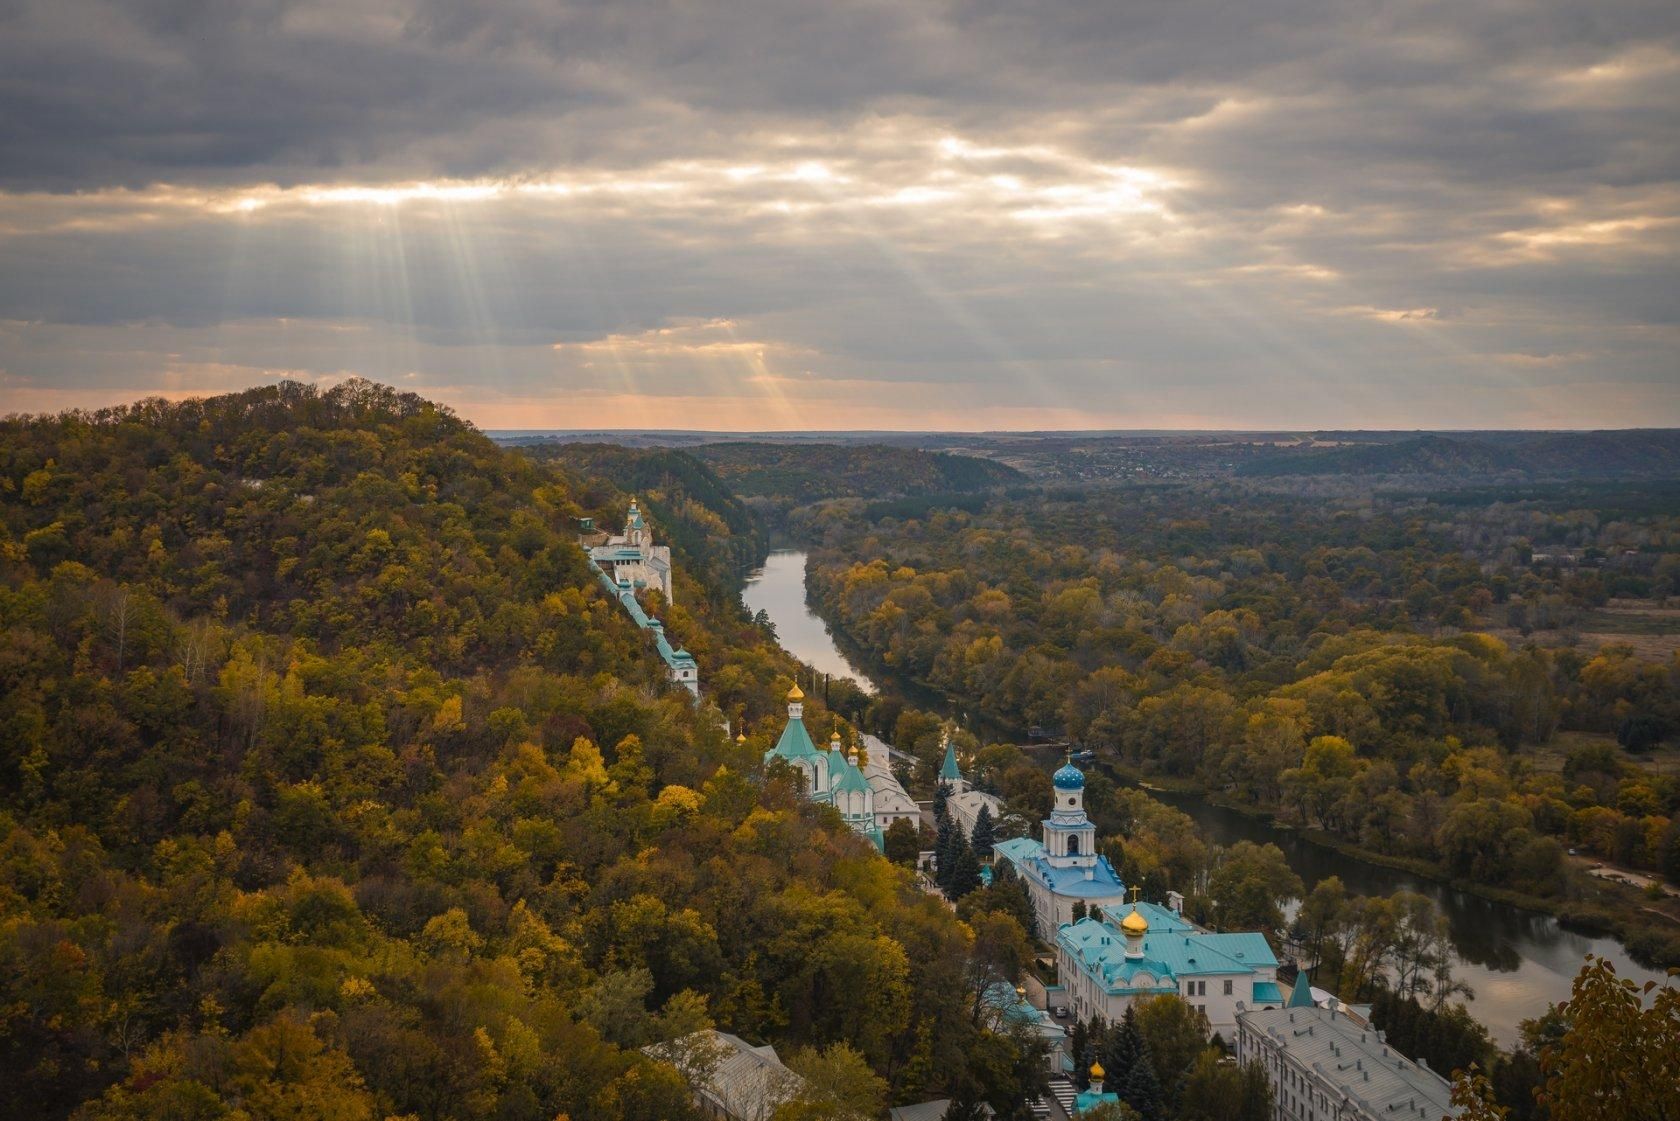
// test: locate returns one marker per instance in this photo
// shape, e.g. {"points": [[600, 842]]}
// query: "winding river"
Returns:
{"points": [[1517, 961]]}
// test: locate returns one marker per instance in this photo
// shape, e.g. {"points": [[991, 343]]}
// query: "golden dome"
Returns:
{"points": [[796, 693], [1097, 1070], [1134, 923], [742, 738]]}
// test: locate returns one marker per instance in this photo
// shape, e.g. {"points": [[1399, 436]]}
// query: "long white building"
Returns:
{"points": [[1324, 1066], [1147, 951], [631, 560]]}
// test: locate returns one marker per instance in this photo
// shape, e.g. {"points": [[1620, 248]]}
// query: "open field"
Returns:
{"points": [[1550, 757]]}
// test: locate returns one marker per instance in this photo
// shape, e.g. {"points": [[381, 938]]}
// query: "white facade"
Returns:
{"points": [[631, 559], [892, 803], [1104, 965], [1064, 870], [964, 808]]}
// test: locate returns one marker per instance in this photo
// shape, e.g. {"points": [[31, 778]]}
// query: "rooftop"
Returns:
{"points": [[1173, 948], [1029, 857], [747, 1081], [1356, 1061]]}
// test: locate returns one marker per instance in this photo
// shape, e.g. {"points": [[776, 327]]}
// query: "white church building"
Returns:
{"points": [[833, 777], [1065, 868], [627, 566], [631, 560]]}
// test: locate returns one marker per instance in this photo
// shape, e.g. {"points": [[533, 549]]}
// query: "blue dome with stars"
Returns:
{"points": [[1068, 777]]}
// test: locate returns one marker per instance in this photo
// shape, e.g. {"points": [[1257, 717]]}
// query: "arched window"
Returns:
{"points": [[1073, 846]]}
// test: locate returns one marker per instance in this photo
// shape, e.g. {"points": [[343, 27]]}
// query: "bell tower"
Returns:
{"points": [[1070, 838]]}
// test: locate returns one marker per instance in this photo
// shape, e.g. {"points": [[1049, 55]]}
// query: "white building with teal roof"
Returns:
{"points": [[1146, 951], [631, 564], [962, 801], [1065, 868], [832, 777], [631, 559]]}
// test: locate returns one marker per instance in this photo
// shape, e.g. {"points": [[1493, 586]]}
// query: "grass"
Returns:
{"points": [[1665, 760]]}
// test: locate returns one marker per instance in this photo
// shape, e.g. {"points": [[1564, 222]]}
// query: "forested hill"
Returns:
{"points": [[332, 787], [796, 474], [1645, 454], [714, 534]]}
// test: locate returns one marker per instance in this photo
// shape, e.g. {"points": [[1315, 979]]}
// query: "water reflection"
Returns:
{"points": [[1517, 961], [778, 590]]}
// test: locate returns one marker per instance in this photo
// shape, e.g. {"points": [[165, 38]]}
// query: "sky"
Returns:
{"points": [[914, 214]]}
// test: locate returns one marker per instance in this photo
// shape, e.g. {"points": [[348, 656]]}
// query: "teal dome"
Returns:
{"points": [[1068, 777]]}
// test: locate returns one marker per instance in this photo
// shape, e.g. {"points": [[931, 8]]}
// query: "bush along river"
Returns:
{"points": [[1516, 960]]}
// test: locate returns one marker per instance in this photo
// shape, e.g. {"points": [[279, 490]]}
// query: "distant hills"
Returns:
{"points": [[789, 469], [1638, 453], [797, 474]]}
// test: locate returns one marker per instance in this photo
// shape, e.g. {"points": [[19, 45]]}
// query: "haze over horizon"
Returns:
{"points": [[1287, 216]]}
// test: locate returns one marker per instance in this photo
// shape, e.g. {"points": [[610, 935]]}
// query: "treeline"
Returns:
{"points": [[332, 787], [1631, 454], [1316, 659], [781, 477]]}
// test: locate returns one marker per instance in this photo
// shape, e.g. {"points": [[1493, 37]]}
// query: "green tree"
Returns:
{"points": [[902, 843], [965, 869], [1249, 886], [1217, 1089], [838, 1085], [1173, 1033], [1620, 1055], [1141, 1089], [982, 838]]}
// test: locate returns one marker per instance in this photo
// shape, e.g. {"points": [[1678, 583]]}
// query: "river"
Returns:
{"points": [[1517, 961], [778, 590]]}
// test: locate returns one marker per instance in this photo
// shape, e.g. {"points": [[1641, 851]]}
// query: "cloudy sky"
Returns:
{"points": [[892, 214]]}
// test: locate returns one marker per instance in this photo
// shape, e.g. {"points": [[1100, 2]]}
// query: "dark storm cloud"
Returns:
{"points": [[182, 90], [1077, 206]]}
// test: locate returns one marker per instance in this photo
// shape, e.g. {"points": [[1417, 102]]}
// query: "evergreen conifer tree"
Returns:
{"points": [[1142, 1090], [1079, 1046], [1121, 1047], [965, 869], [983, 833], [943, 857]]}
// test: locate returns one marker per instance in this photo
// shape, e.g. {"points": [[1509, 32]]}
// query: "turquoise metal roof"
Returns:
{"points": [[1167, 954], [1267, 992], [1301, 995], [1089, 1100], [1068, 777], [795, 743], [1031, 860], [851, 780], [948, 771]]}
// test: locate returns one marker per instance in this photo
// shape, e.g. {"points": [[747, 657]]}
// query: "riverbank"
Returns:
{"points": [[1649, 932], [1518, 957], [1652, 937]]}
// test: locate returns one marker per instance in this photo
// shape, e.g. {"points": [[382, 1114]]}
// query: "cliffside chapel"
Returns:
{"points": [[631, 560], [629, 564]]}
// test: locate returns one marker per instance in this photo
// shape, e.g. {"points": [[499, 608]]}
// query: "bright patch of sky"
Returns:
{"points": [[1282, 213]]}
